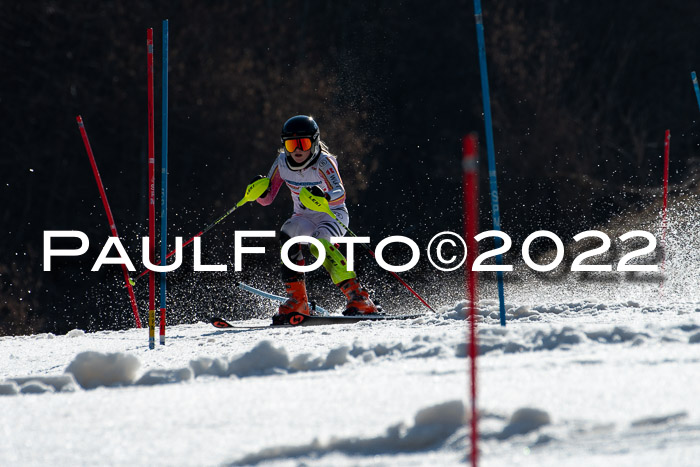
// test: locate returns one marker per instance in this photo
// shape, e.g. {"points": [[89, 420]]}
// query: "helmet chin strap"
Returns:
{"points": [[301, 166]]}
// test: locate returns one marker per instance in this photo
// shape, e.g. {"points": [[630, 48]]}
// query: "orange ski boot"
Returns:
{"points": [[359, 302], [297, 302]]}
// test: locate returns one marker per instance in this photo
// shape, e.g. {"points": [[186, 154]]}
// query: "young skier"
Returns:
{"points": [[305, 162]]}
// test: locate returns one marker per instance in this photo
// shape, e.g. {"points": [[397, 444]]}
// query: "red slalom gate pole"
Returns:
{"points": [[471, 221], [110, 218], [667, 149], [151, 196]]}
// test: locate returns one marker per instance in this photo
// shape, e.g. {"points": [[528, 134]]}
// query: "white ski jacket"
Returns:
{"points": [[322, 173]]}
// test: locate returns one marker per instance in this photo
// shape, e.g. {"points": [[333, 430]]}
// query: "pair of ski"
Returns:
{"points": [[318, 316]]}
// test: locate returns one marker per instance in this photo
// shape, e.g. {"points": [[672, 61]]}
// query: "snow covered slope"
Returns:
{"points": [[568, 383]]}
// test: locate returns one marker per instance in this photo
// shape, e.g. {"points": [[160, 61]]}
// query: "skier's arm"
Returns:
{"points": [[333, 184], [275, 184]]}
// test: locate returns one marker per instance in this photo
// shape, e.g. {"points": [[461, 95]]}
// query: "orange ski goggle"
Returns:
{"points": [[292, 144]]}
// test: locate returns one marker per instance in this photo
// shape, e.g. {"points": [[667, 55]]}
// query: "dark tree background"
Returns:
{"points": [[581, 95]]}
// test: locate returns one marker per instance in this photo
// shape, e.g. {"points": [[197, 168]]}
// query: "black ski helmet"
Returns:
{"points": [[302, 126]]}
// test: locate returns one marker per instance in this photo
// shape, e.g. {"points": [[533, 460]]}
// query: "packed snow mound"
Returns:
{"points": [[94, 369], [659, 420], [524, 421], [420, 347], [35, 387], [38, 385], [488, 311], [91, 370], [264, 358], [431, 429], [545, 337], [59, 383], [439, 427], [208, 366], [9, 388], [450, 413], [157, 376]]}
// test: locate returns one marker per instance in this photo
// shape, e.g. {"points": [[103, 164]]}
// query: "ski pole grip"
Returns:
{"points": [[255, 190], [315, 203]]}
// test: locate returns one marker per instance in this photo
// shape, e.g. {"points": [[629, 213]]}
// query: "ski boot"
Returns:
{"points": [[297, 302], [359, 302]]}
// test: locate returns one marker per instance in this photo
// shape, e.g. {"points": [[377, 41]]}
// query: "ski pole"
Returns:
{"points": [[277, 298], [252, 192], [321, 205]]}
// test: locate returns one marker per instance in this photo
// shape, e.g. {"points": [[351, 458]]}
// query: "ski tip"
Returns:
{"points": [[220, 323]]}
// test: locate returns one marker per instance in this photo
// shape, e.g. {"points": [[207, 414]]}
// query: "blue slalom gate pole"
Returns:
{"points": [[164, 182], [493, 185], [695, 85]]}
